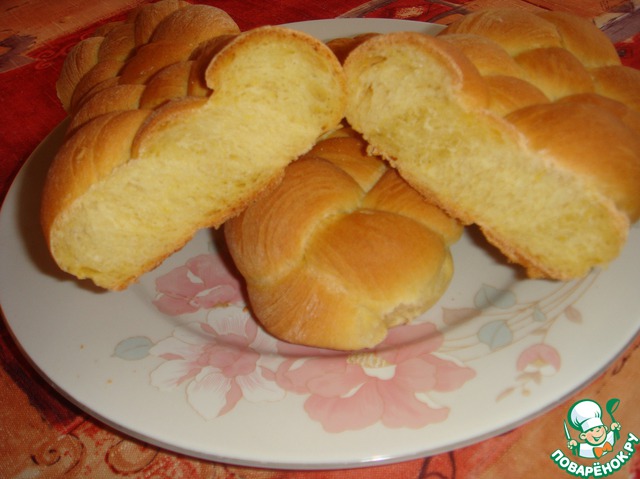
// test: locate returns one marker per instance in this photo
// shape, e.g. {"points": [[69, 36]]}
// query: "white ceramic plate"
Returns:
{"points": [[177, 362]]}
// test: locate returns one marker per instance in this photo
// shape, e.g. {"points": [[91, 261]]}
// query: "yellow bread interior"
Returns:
{"points": [[193, 163], [423, 106]]}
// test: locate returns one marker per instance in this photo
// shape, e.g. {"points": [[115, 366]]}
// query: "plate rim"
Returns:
{"points": [[322, 465]]}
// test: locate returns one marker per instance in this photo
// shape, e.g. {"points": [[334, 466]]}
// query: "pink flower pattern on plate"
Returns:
{"points": [[390, 384], [227, 357], [204, 282], [219, 360], [533, 364], [539, 359]]}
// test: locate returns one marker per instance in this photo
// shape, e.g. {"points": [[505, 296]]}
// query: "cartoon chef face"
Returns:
{"points": [[595, 436], [586, 417]]}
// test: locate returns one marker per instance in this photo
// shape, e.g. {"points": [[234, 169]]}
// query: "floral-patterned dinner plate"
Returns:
{"points": [[177, 360]]}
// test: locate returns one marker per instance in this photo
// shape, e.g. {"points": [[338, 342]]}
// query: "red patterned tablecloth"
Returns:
{"points": [[43, 435]]}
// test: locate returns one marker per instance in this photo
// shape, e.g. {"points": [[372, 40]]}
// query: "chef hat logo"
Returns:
{"points": [[585, 415]]}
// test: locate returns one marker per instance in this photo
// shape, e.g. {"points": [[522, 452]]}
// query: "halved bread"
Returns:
{"points": [[484, 121], [152, 157]]}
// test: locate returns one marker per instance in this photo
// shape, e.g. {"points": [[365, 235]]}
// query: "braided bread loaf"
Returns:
{"points": [[342, 249], [177, 121], [524, 123]]}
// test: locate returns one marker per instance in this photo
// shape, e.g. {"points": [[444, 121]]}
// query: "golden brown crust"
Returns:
{"points": [[177, 27], [488, 56], [118, 43], [350, 156], [342, 249], [555, 71], [152, 155], [341, 47], [565, 131], [81, 58], [580, 37], [170, 83], [556, 125], [107, 100], [150, 59], [194, 24], [514, 29], [392, 194], [508, 94], [618, 82], [147, 18], [103, 73]]}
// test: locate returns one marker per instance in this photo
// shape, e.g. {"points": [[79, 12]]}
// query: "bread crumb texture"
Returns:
{"points": [[523, 123], [177, 121]]}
